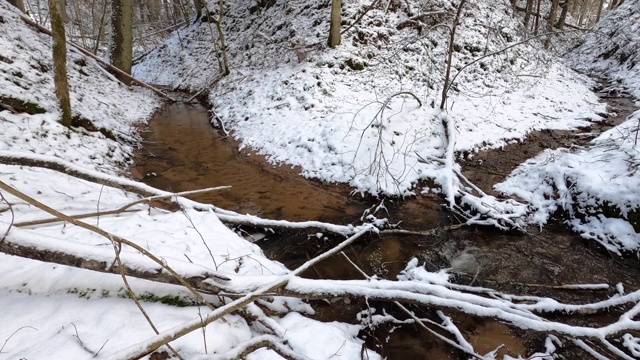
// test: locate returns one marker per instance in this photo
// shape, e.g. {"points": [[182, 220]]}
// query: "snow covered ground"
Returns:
{"points": [[346, 115], [55, 311], [611, 48], [332, 112], [596, 186], [26, 76]]}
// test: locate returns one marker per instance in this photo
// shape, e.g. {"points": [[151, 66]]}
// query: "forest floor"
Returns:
{"points": [[317, 115]]}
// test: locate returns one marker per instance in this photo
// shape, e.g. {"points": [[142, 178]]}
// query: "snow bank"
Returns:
{"points": [[597, 186], [611, 48], [26, 83], [72, 303], [332, 111]]}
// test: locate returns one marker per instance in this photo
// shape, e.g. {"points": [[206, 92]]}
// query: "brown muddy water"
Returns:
{"points": [[183, 152]]}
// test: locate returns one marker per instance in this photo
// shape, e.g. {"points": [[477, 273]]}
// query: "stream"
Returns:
{"points": [[183, 152]]}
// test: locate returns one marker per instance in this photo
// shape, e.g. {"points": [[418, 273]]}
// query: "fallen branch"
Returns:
{"points": [[227, 216], [111, 237], [146, 347], [121, 209], [44, 30]]}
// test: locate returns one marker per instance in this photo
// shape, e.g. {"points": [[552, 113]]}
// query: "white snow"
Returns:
{"points": [[610, 49], [26, 74], [300, 107], [301, 104], [597, 186]]}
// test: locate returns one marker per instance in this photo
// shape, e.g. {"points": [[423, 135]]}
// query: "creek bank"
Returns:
{"points": [[182, 152]]}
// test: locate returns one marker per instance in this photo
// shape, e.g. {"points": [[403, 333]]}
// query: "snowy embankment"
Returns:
{"points": [[332, 111], [54, 311], [612, 48], [31, 122], [595, 186]]}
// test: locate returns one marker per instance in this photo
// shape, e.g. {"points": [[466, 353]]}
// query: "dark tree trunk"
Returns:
{"points": [[58, 15], [19, 4], [527, 14], [537, 17], [121, 52], [563, 15], [551, 21], [197, 4], [600, 6]]}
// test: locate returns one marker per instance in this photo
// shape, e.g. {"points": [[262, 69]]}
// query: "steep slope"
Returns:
{"points": [[612, 48], [345, 114], [27, 90], [595, 187]]}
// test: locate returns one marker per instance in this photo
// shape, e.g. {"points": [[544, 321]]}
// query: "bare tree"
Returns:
{"points": [[121, 50], [600, 6], [197, 4], [566, 4], [334, 25], [527, 13], [551, 21], [57, 13], [537, 18]]}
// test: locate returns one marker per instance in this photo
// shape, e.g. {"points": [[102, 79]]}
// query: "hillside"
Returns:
{"points": [[333, 112], [31, 124], [595, 186], [611, 48]]}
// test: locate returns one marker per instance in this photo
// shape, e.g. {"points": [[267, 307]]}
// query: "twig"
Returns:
{"points": [[133, 296], [82, 345], [414, 317], [359, 17], [15, 332], [421, 233], [155, 342], [123, 208], [201, 237], [445, 88]]}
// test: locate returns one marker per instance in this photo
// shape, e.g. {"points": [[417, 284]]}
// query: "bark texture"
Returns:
{"points": [[551, 21], [57, 11], [334, 26], [121, 51]]}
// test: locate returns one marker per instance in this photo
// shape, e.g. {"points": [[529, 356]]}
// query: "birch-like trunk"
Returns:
{"points": [[58, 16]]}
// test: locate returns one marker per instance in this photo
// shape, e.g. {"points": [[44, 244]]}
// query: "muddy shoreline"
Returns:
{"points": [[182, 152]]}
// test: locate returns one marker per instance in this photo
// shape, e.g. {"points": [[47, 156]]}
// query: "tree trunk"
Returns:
{"points": [[197, 4], [181, 10], [537, 17], [56, 10], [334, 26], [19, 4], [527, 14], [551, 21], [121, 51], [563, 16], [600, 6], [582, 12]]}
